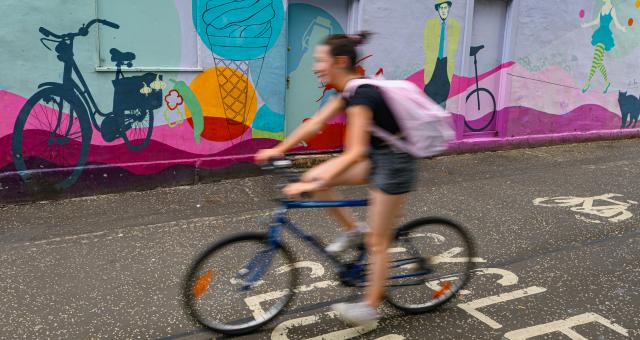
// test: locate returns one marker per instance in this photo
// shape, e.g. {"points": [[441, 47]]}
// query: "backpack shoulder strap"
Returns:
{"points": [[353, 85]]}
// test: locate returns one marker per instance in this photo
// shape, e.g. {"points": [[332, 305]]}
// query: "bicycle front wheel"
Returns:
{"points": [[431, 260], [481, 104], [240, 284]]}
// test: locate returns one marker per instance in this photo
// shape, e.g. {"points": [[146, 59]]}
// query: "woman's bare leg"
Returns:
{"points": [[356, 175], [384, 210]]}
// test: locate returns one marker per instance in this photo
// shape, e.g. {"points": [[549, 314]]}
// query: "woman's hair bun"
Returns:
{"points": [[361, 38]]}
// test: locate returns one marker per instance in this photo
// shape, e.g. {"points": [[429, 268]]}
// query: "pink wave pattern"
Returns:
{"points": [[460, 84], [155, 157], [179, 137], [525, 121], [168, 146]]}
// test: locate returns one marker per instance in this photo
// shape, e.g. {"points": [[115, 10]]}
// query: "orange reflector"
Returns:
{"points": [[201, 285], [444, 288]]}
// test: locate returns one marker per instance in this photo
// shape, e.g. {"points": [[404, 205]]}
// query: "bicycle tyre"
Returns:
{"points": [[493, 113], [190, 301], [424, 227], [138, 135], [74, 164]]}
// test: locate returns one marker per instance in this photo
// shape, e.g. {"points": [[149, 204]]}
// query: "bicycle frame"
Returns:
{"points": [[350, 274], [69, 84]]}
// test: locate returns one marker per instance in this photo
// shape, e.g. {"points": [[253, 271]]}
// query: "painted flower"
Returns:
{"points": [[173, 99]]}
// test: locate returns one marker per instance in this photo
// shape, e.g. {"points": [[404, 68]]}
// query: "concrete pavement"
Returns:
{"points": [[111, 266]]}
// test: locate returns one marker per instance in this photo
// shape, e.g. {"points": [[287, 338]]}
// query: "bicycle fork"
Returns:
{"points": [[475, 65], [261, 261]]}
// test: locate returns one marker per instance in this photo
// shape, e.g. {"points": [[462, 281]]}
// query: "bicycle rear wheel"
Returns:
{"points": [[239, 284], [431, 261], [51, 138], [137, 127]]}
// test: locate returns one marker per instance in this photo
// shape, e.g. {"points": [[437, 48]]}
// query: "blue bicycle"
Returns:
{"points": [[243, 282]]}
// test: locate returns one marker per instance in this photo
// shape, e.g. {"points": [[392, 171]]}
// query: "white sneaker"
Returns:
{"points": [[357, 314], [347, 240]]}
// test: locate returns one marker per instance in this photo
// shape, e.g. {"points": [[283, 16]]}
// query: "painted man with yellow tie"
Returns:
{"points": [[441, 37]]}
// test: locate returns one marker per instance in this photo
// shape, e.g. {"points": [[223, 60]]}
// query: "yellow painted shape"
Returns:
{"points": [[267, 135], [207, 85]]}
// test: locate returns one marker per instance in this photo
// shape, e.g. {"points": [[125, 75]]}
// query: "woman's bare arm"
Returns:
{"points": [[359, 120], [593, 23], [616, 22], [311, 127]]}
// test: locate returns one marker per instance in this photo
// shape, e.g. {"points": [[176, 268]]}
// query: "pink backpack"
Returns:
{"points": [[425, 126]]}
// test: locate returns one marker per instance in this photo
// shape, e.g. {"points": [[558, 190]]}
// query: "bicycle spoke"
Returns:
{"points": [[418, 284], [235, 286]]}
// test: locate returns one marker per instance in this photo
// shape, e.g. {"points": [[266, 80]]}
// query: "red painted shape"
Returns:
{"points": [[169, 95], [218, 129], [329, 138]]}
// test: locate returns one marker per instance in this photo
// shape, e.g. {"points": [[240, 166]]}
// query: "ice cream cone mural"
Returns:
{"points": [[239, 32]]}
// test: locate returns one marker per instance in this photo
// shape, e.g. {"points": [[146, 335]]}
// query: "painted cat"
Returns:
{"points": [[629, 108]]}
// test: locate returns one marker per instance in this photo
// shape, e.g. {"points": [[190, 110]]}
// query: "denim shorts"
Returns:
{"points": [[394, 173]]}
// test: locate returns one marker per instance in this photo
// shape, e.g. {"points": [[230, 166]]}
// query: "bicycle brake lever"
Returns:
{"points": [[45, 45]]}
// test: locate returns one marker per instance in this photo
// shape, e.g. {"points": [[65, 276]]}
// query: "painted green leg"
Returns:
{"points": [[598, 58]]}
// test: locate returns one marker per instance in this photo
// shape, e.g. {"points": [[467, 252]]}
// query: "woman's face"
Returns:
{"points": [[324, 64]]}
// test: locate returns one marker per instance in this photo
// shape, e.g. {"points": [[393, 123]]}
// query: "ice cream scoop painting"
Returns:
{"points": [[238, 32]]}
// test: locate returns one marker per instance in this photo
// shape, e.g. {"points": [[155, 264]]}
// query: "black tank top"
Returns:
{"points": [[371, 97]]}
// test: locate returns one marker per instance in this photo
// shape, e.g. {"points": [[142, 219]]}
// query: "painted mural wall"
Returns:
{"points": [[152, 85], [164, 86], [563, 67]]}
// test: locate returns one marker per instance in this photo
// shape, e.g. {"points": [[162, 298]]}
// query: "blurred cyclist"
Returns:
{"points": [[366, 159]]}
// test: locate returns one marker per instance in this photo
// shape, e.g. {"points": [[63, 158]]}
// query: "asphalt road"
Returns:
{"points": [[111, 266]]}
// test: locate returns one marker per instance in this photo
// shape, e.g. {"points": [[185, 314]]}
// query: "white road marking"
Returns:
{"points": [[448, 257], [508, 278], [564, 327], [437, 238], [317, 269], [472, 306], [613, 210], [254, 302], [281, 332]]}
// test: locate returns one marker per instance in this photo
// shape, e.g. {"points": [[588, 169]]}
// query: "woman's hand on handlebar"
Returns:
{"points": [[265, 155]]}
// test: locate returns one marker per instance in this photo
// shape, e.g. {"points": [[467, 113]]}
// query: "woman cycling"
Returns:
{"points": [[366, 159]]}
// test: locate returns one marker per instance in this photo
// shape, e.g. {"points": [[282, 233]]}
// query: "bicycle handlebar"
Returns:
{"points": [[277, 164], [82, 32], [48, 33]]}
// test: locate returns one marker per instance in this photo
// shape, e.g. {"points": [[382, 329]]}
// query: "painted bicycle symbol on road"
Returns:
{"points": [[601, 206]]}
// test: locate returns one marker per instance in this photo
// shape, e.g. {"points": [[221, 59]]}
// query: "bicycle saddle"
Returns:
{"points": [[121, 57], [475, 50]]}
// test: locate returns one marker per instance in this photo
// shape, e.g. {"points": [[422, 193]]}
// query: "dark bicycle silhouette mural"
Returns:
{"points": [[477, 92], [56, 124]]}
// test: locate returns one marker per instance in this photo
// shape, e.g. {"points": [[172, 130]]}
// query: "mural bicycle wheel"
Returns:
{"points": [[52, 135], [137, 128], [486, 110]]}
